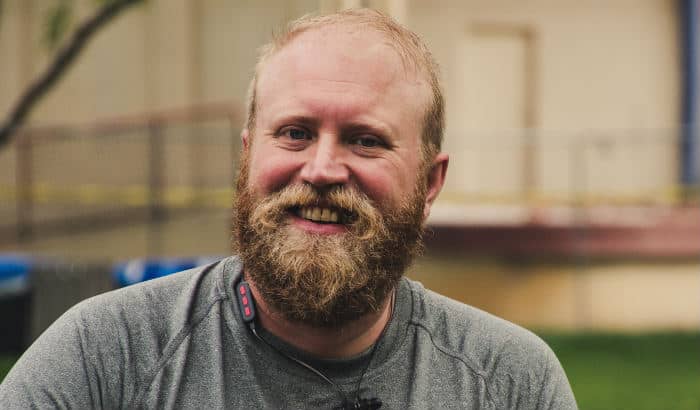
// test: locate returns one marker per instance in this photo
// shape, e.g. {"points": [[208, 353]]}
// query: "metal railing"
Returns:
{"points": [[141, 168], [63, 177]]}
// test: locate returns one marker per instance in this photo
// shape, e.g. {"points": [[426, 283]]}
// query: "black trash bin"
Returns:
{"points": [[57, 286], [15, 303]]}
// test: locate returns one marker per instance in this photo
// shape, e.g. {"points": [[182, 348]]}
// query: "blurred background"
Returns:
{"points": [[572, 202]]}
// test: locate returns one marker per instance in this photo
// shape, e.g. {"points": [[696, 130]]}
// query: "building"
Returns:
{"points": [[571, 124]]}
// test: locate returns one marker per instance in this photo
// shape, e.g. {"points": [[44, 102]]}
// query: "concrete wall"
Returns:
{"points": [[162, 54], [612, 295], [603, 72], [545, 98]]}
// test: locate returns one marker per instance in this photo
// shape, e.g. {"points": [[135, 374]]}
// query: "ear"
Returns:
{"points": [[436, 179], [245, 135]]}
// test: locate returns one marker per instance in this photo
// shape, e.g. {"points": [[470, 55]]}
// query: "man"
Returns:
{"points": [[341, 163]]}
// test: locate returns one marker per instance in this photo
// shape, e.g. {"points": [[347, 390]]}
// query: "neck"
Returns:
{"points": [[345, 341]]}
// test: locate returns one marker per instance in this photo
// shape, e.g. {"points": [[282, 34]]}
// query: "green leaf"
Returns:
{"points": [[58, 20]]}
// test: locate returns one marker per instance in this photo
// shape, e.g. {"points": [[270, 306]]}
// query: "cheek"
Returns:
{"points": [[270, 173], [385, 185]]}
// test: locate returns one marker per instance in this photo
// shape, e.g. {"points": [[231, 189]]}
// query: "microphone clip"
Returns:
{"points": [[361, 404]]}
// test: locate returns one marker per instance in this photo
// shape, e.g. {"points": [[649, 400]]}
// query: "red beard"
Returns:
{"points": [[325, 280]]}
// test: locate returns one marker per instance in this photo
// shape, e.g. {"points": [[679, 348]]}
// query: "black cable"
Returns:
{"points": [[343, 397], [359, 403]]}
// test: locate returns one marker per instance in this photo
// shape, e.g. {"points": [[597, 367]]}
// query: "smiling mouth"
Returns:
{"points": [[323, 215]]}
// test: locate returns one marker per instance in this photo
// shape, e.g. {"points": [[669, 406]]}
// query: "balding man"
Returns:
{"points": [[341, 164]]}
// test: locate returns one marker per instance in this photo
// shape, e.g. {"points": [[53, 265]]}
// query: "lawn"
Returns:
{"points": [[6, 362], [614, 371]]}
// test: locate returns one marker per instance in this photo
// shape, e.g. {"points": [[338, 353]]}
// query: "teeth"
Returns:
{"points": [[317, 214]]}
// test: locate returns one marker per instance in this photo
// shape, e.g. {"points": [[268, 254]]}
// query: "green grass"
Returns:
{"points": [[6, 362], [615, 371]]}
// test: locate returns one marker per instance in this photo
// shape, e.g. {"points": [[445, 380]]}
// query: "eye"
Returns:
{"points": [[295, 133], [367, 141]]}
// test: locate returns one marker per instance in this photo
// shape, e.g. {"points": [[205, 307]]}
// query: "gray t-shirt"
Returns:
{"points": [[180, 342]]}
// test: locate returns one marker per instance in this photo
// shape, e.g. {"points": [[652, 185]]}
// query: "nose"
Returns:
{"points": [[325, 166]]}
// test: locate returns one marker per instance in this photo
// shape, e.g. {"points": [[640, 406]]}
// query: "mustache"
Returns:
{"points": [[360, 214]]}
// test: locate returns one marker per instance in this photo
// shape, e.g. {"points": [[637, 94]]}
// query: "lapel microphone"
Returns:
{"points": [[246, 305], [363, 404]]}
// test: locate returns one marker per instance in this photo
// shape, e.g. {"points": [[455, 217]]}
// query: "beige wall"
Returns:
{"points": [[162, 54], [572, 69], [629, 296], [597, 71]]}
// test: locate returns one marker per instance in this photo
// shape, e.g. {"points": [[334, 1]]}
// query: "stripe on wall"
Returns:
{"points": [[690, 38]]}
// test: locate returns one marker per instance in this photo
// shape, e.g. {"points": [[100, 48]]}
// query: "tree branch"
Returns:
{"points": [[64, 58]]}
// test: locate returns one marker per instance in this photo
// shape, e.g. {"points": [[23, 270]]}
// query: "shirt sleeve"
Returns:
{"points": [[529, 376], [53, 372], [555, 391]]}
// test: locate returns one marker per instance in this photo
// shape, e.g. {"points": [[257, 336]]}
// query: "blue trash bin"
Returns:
{"points": [[141, 270]]}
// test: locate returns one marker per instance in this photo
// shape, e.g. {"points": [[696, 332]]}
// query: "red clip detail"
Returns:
{"points": [[241, 290], [247, 311], [245, 300]]}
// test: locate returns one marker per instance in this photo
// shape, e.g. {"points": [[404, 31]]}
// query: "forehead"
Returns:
{"points": [[352, 56]]}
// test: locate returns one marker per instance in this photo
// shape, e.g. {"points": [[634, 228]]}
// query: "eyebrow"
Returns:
{"points": [[297, 119]]}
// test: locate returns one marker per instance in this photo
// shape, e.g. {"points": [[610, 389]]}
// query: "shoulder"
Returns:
{"points": [[146, 318], [510, 359], [108, 345], [460, 326], [166, 303]]}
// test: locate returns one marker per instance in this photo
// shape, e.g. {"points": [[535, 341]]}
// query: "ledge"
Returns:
{"points": [[653, 232]]}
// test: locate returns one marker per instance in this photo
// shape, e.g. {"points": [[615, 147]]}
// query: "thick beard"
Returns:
{"points": [[325, 280]]}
